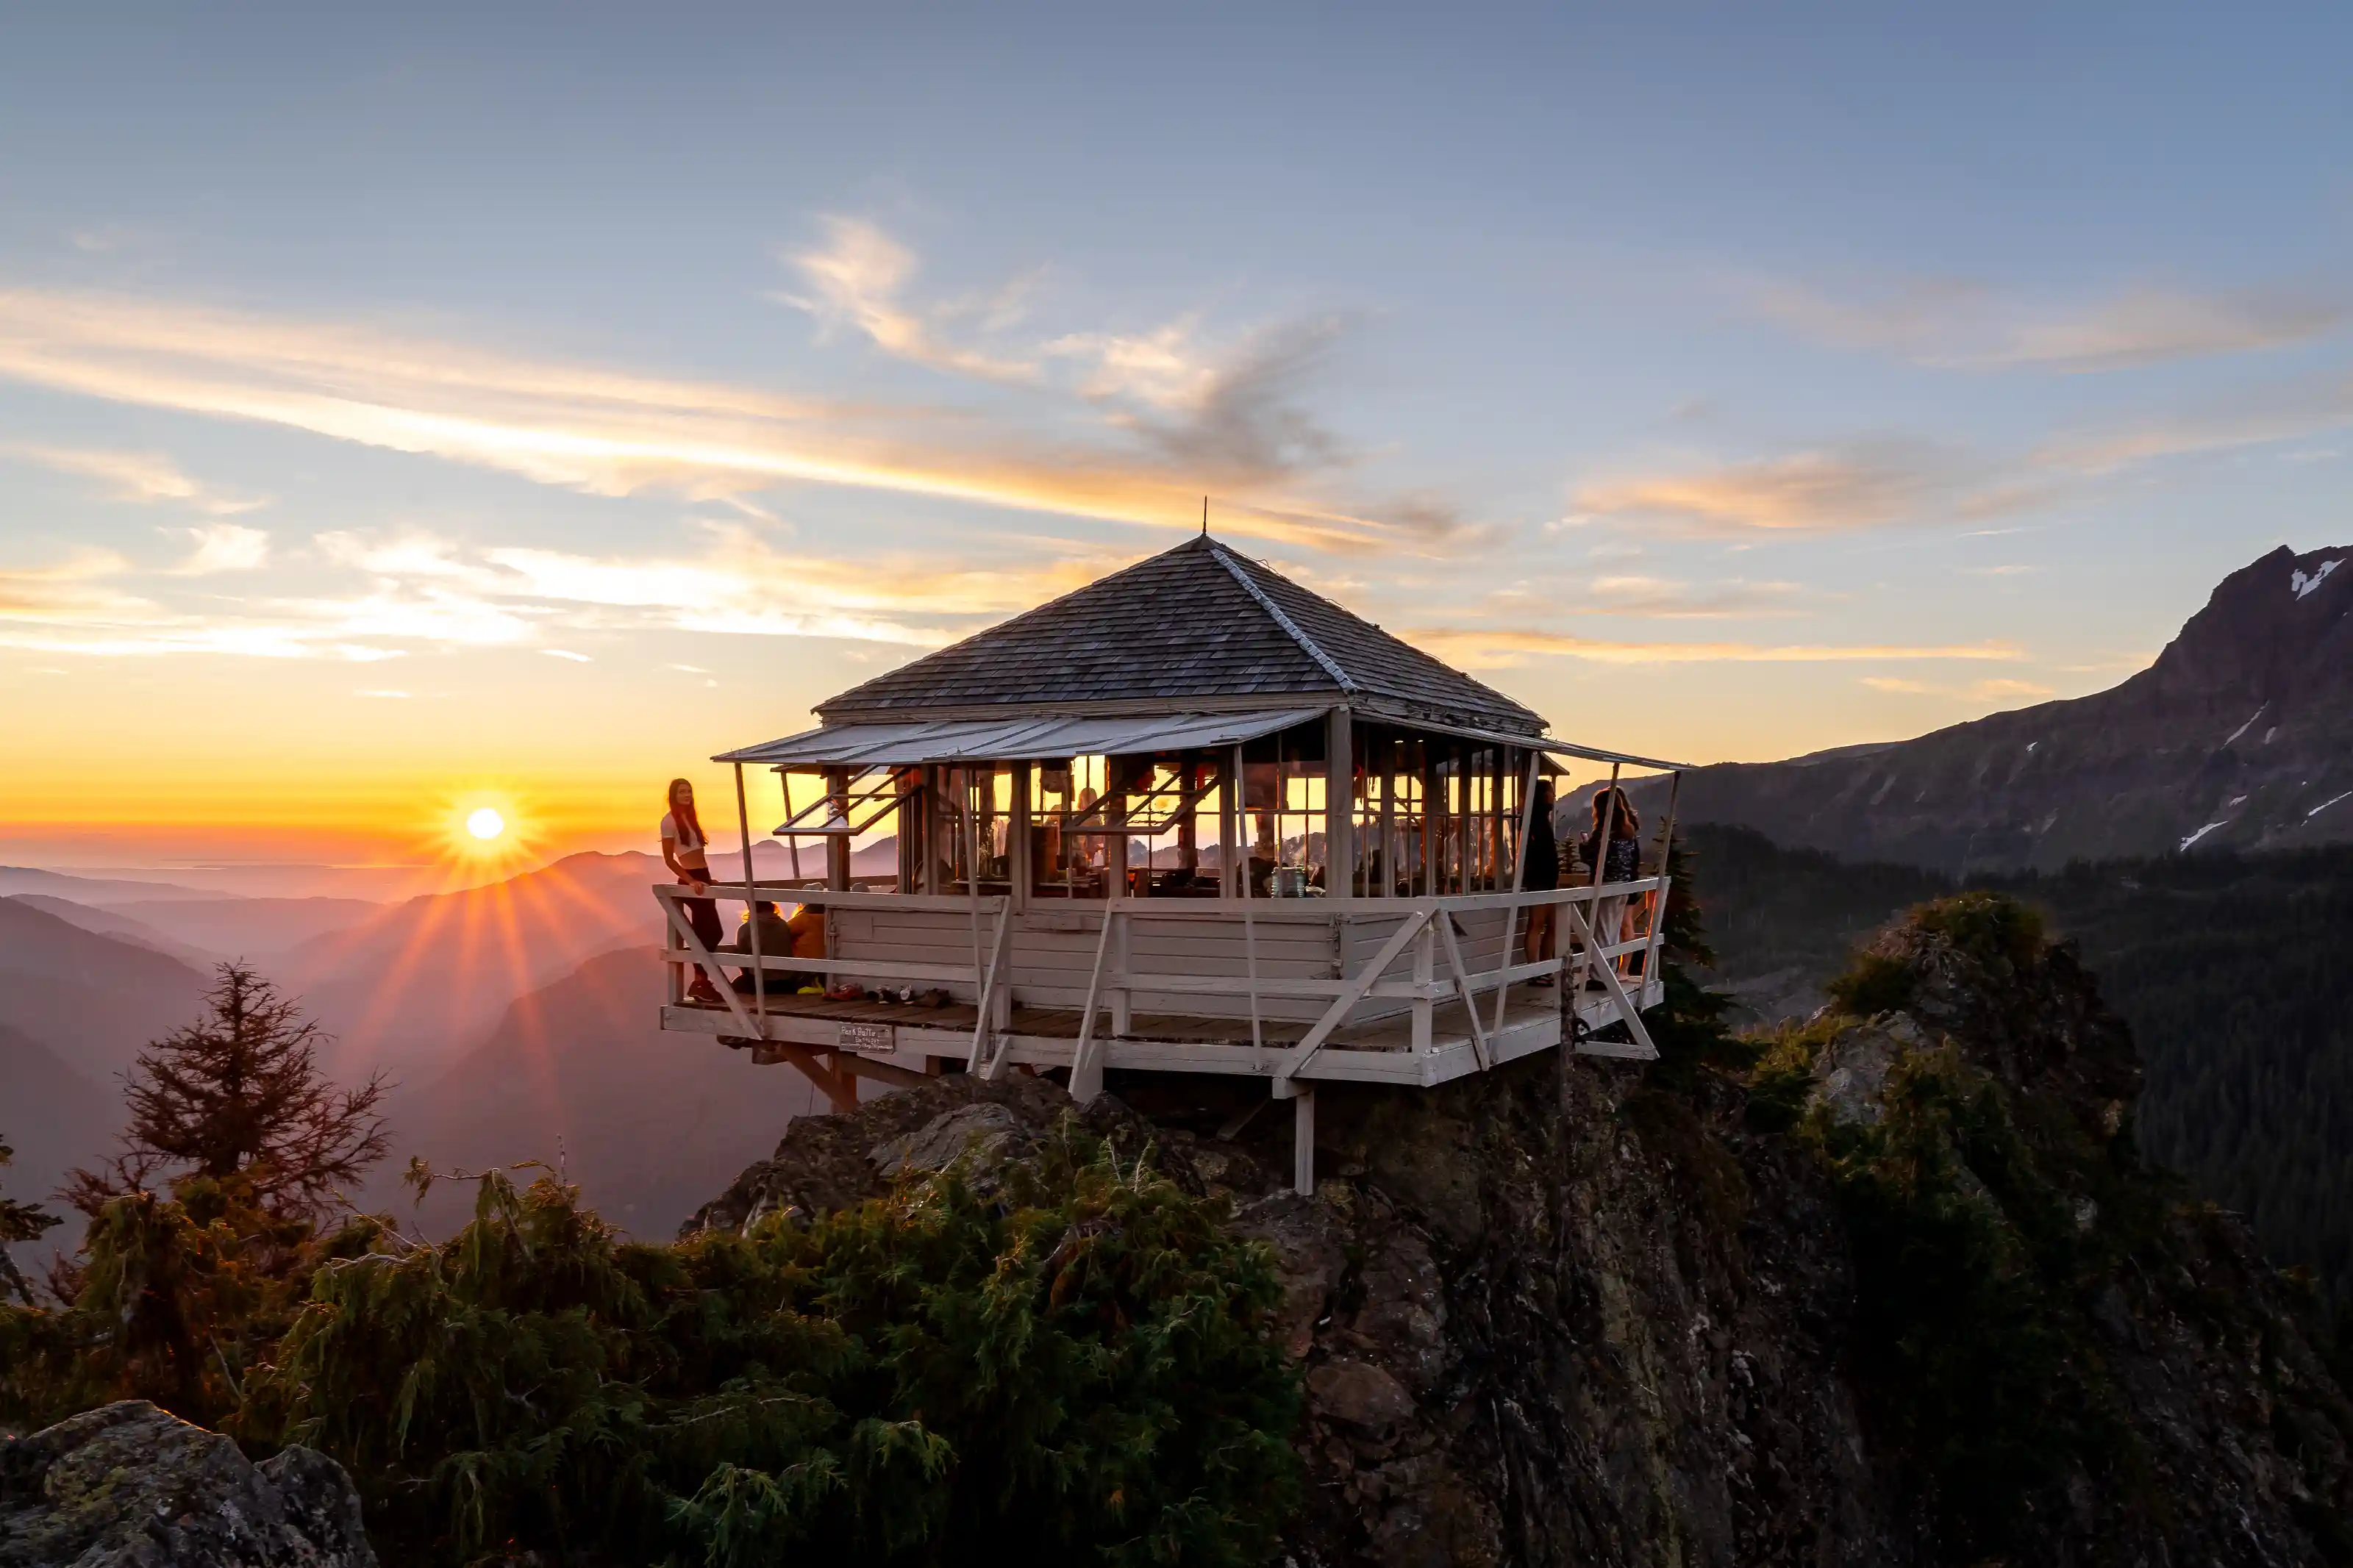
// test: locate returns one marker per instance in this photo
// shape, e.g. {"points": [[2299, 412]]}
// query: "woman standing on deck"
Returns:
{"points": [[1617, 859], [684, 849]]}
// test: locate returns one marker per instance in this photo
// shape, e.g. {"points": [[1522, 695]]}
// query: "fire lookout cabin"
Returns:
{"points": [[1191, 819]]}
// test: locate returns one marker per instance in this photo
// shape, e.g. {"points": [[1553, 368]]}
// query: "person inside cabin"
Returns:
{"points": [[685, 852], [1618, 860], [776, 941], [1540, 873]]}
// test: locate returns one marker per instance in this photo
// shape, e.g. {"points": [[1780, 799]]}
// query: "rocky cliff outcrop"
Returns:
{"points": [[1899, 1293], [2239, 736], [127, 1486]]}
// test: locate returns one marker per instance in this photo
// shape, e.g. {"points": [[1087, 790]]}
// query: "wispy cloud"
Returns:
{"points": [[857, 280], [1963, 325], [131, 476], [1864, 484], [224, 547], [74, 592], [1880, 481], [1497, 648], [1652, 597], [419, 592], [615, 433]]}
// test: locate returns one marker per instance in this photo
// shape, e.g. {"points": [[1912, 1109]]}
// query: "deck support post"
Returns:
{"points": [[1303, 1143], [839, 1088]]}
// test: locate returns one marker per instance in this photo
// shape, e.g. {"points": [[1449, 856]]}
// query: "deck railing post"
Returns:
{"points": [[752, 908], [1425, 970], [1086, 1056], [1659, 909]]}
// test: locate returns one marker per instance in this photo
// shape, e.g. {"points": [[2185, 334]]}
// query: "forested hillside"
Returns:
{"points": [[2233, 972]]}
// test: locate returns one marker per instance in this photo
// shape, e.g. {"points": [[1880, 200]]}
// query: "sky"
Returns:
{"points": [[407, 411]]}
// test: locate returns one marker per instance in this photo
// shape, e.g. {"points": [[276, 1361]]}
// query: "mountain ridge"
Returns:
{"points": [[2239, 735]]}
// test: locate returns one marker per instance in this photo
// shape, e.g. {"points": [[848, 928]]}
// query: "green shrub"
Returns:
{"points": [[1992, 927], [1873, 984], [1076, 1368], [1784, 1075]]}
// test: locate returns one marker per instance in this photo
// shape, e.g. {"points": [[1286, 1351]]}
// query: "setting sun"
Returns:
{"points": [[486, 824]]}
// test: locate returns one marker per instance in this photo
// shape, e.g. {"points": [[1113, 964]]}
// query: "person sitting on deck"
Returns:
{"points": [[776, 941], [1620, 861], [683, 844], [807, 925]]}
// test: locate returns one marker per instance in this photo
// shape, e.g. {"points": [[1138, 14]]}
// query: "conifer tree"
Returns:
{"points": [[239, 1093], [19, 1222]]}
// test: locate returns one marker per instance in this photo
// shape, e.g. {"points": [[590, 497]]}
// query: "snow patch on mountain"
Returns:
{"points": [[2302, 584]]}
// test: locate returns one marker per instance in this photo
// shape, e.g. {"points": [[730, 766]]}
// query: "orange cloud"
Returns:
{"points": [[1866, 485]]}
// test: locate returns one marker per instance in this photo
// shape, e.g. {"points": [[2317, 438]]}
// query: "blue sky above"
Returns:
{"points": [[1725, 384]]}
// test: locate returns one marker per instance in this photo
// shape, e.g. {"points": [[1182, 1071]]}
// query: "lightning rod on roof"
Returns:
{"points": [[1205, 517]]}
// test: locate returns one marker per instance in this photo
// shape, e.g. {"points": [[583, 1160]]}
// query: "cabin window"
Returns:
{"points": [[1432, 815], [1065, 863], [1167, 811], [965, 806], [1283, 799]]}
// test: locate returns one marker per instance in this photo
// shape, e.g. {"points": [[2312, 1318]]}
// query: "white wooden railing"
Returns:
{"points": [[1439, 964]]}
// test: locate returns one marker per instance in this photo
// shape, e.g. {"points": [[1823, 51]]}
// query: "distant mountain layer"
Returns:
{"points": [[649, 1124], [2240, 736], [93, 1000]]}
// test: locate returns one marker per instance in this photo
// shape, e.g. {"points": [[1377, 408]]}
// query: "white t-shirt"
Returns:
{"points": [[680, 832]]}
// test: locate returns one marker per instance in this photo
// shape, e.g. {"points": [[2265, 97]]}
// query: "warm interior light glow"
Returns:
{"points": [[486, 824]]}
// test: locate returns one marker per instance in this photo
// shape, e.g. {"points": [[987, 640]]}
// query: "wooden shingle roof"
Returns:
{"points": [[1196, 623]]}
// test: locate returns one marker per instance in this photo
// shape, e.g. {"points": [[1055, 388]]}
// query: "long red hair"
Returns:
{"points": [[686, 812]]}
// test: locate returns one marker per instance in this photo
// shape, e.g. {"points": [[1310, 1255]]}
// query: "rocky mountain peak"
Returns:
{"points": [[2239, 736], [2278, 630]]}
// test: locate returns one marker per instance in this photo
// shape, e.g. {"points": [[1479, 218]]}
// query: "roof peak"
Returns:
{"points": [[1198, 620]]}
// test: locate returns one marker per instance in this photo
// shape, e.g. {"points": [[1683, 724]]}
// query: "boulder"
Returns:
{"points": [[129, 1486]]}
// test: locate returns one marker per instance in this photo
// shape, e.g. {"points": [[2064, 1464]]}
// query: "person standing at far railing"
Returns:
{"points": [[685, 851], [1613, 851]]}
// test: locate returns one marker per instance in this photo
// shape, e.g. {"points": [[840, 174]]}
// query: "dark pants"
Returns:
{"points": [[702, 914]]}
